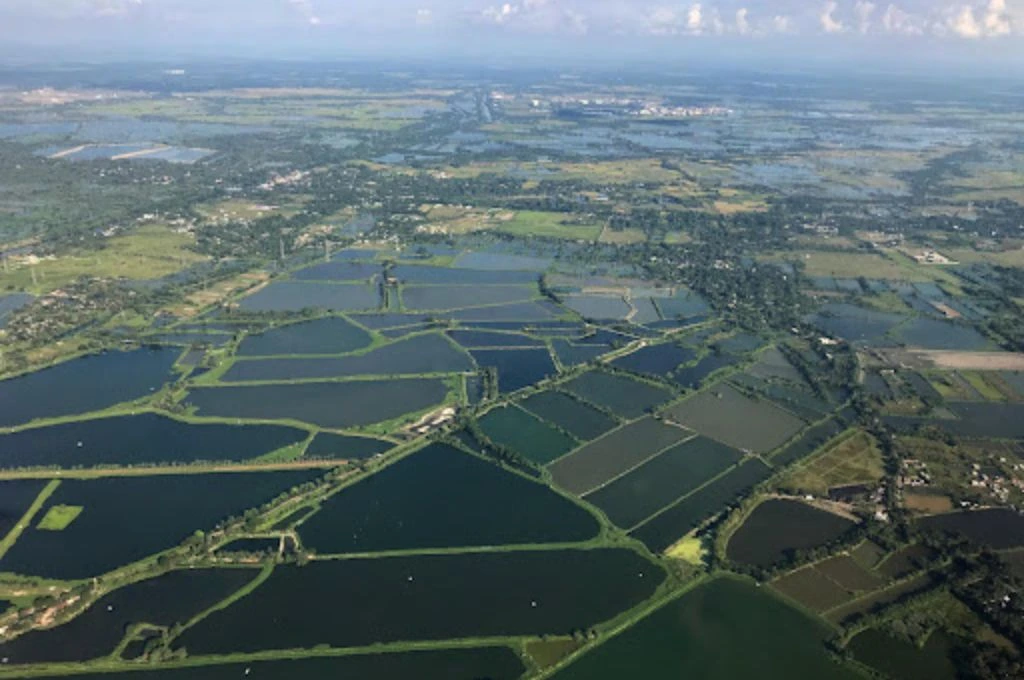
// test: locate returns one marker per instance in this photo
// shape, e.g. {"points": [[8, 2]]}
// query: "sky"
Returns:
{"points": [[983, 34]]}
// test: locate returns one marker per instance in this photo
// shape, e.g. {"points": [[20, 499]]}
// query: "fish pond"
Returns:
{"points": [[663, 530], [525, 434], [478, 339], [142, 439], [331, 335], [659, 482], [517, 368], [459, 297], [443, 498], [613, 454], [328, 404], [904, 660], [998, 528], [91, 383], [622, 396], [293, 296], [419, 354], [172, 598], [16, 496], [778, 527], [330, 446], [433, 597], [658, 360], [124, 519], [723, 630], [578, 419], [492, 663], [716, 412]]}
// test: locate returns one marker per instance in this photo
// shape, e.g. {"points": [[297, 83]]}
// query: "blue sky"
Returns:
{"points": [[982, 31]]}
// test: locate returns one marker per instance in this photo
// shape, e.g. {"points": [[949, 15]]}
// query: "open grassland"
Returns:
{"points": [[147, 253], [854, 460], [231, 210], [550, 225]]}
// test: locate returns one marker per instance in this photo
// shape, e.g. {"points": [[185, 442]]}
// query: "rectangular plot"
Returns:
{"points": [[525, 434], [418, 355], [880, 600], [291, 296], [575, 417], [615, 453], [847, 573], [457, 297], [665, 529], [625, 397], [660, 481], [812, 589], [727, 415], [809, 442]]}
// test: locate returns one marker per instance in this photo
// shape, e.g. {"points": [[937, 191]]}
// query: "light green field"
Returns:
{"points": [[148, 253], [549, 224], [59, 517], [854, 460]]}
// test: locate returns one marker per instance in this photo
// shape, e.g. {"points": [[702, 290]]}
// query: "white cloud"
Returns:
{"points": [[997, 20], [865, 10], [742, 22], [306, 10], [695, 18], [828, 20], [991, 21], [782, 24], [424, 17], [900, 22]]}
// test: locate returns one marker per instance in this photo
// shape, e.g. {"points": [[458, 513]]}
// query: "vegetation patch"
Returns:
{"points": [[854, 460], [59, 517]]}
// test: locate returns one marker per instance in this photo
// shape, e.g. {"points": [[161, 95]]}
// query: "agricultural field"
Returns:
{"points": [[853, 461]]}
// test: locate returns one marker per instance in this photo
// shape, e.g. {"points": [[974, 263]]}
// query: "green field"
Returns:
{"points": [[59, 517]]}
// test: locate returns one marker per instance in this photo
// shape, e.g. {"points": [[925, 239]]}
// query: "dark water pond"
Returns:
{"points": [[332, 335], [998, 528], [125, 519], [91, 383], [16, 496], [777, 527], [443, 498], [723, 630], [134, 440], [344, 447], [429, 598], [420, 354], [163, 601], [328, 404], [483, 663], [517, 368]]}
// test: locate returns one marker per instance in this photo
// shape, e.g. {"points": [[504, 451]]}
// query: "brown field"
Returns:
{"points": [[926, 503], [977, 361]]}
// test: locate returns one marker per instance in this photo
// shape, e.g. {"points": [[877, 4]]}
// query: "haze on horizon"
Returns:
{"points": [[978, 36]]}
